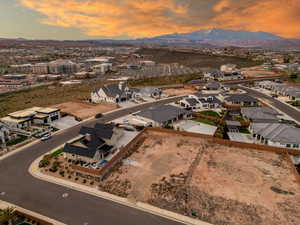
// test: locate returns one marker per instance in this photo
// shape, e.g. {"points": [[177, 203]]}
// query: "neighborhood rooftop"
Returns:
{"points": [[163, 113]]}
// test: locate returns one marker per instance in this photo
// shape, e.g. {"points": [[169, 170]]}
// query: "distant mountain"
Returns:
{"points": [[221, 34]]}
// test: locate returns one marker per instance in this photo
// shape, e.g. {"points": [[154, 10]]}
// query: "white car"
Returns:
{"points": [[46, 137]]}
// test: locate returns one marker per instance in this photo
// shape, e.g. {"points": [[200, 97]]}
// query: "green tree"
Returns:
{"points": [[8, 215]]}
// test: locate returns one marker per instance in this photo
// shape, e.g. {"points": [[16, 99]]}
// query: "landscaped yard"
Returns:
{"points": [[210, 113], [16, 141], [295, 103], [209, 122]]}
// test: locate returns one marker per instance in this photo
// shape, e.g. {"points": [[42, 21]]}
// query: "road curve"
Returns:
{"points": [[290, 111], [22, 189]]}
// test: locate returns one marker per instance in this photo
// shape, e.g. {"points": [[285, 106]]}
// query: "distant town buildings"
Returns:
{"points": [[55, 67]]}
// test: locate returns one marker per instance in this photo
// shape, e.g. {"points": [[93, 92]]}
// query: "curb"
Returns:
{"points": [[4, 204], [34, 171]]}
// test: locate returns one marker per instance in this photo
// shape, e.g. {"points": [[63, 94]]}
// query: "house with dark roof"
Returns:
{"points": [[113, 93], [276, 134], [240, 99], [260, 114], [207, 101], [163, 115], [190, 104], [95, 144]]}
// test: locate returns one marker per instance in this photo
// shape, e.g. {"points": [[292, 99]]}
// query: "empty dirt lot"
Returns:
{"points": [[179, 91], [84, 110], [215, 183]]}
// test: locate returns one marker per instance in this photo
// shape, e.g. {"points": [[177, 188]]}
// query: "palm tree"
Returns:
{"points": [[7, 215]]}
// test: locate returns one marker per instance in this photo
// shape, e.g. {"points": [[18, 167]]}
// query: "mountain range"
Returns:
{"points": [[222, 34], [207, 37]]}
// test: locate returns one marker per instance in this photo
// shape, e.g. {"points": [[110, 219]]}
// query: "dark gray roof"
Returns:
{"points": [[113, 90], [86, 152], [261, 114], [277, 132], [208, 98], [240, 98], [100, 130], [213, 85], [191, 101], [95, 141], [163, 113]]}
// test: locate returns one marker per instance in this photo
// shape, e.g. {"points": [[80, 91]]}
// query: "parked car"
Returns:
{"points": [[99, 115], [46, 137]]}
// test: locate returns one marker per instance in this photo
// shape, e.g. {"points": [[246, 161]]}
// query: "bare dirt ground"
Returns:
{"points": [[211, 182], [179, 91], [259, 73], [84, 110]]}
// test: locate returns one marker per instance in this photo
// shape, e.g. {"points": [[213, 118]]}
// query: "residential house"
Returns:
{"points": [[35, 115], [113, 93], [147, 92], [163, 115], [241, 99], [276, 134], [260, 114], [213, 86], [293, 93], [212, 74], [228, 68], [231, 76], [190, 103], [95, 144], [207, 101]]}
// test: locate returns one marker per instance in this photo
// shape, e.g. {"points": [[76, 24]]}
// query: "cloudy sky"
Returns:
{"points": [[123, 19]]}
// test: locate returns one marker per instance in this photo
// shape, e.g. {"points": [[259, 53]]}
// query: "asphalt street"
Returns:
{"points": [[22, 189]]}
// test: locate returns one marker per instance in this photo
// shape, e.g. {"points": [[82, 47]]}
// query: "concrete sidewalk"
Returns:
{"points": [[35, 172]]}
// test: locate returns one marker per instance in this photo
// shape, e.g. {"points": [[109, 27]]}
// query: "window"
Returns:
{"points": [[288, 145]]}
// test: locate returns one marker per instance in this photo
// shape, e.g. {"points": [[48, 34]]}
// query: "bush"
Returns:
{"points": [[62, 173], [69, 177], [84, 181], [44, 163], [53, 169], [92, 182]]}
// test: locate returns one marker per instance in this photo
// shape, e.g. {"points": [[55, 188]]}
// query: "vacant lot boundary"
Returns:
{"points": [[227, 142], [138, 140]]}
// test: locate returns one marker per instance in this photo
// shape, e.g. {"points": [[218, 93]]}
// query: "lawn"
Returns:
{"points": [[209, 122], [17, 141], [56, 153], [244, 130], [210, 113]]}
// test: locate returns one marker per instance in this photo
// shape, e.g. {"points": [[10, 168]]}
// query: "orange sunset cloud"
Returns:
{"points": [[147, 18]]}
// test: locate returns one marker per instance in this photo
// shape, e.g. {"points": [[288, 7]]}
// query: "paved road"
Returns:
{"points": [[46, 198], [274, 102]]}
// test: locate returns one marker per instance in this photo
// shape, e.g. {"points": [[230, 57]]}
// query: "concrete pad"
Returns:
{"points": [[195, 127], [247, 138], [65, 122]]}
